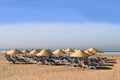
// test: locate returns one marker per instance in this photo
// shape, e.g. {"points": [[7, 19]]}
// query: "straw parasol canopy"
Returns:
{"points": [[89, 52], [44, 52], [35, 51], [76, 50], [25, 51], [14, 52], [58, 52], [93, 50], [79, 53], [69, 50]]}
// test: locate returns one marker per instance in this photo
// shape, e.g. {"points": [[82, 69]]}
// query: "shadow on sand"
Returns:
{"points": [[111, 61], [104, 68], [114, 62], [107, 64]]}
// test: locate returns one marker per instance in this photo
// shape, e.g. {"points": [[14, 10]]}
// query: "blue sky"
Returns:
{"points": [[59, 11], [60, 23]]}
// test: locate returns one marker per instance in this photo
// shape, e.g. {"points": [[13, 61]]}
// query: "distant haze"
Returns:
{"points": [[60, 35]]}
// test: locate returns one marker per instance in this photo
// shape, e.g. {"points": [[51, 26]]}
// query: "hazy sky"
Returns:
{"points": [[60, 24]]}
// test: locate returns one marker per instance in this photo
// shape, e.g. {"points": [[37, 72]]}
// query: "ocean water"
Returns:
{"points": [[105, 52], [113, 52]]}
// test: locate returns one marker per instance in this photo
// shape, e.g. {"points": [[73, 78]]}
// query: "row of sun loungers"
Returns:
{"points": [[61, 60], [16, 60]]}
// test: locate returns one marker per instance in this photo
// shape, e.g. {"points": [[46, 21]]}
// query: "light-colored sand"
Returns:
{"points": [[49, 72]]}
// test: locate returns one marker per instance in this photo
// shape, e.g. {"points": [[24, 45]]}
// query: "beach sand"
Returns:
{"points": [[50, 72]]}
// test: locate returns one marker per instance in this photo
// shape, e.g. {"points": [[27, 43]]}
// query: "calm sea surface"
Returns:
{"points": [[105, 52]]}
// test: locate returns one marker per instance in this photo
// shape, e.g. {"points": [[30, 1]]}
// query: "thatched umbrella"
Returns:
{"points": [[35, 51], [79, 53], [69, 50], [93, 50], [14, 52], [25, 51], [76, 50], [58, 52], [44, 52], [89, 52]]}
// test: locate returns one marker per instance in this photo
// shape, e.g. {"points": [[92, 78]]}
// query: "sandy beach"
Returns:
{"points": [[50, 72]]}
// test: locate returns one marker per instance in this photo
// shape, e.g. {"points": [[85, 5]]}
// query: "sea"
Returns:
{"points": [[106, 52]]}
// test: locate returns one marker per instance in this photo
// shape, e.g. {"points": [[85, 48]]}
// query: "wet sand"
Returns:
{"points": [[50, 72]]}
